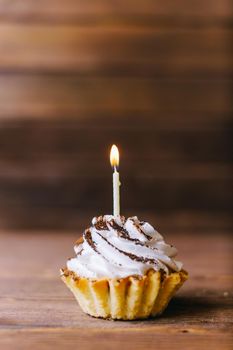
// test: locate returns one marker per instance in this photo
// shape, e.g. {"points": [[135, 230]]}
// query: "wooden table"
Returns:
{"points": [[38, 312]]}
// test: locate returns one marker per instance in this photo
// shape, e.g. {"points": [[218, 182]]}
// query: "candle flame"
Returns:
{"points": [[114, 156]]}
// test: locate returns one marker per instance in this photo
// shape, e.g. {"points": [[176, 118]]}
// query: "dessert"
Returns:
{"points": [[123, 269]]}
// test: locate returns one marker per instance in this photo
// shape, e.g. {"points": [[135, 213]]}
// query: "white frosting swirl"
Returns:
{"points": [[114, 247]]}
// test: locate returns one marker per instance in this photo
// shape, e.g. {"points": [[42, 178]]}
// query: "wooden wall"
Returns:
{"points": [[152, 76]]}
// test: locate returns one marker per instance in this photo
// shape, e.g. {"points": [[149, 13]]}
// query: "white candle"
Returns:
{"points": [[114, 160]]}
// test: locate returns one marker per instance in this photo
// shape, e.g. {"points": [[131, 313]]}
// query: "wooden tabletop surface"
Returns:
{"points": [[37, 311]]}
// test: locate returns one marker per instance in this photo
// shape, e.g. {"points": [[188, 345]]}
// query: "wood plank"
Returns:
{"points": [[67, 142], [41, 169], [171, 221], [126, 120], [200, 314], [57, 10], [201, 194], [36, 95], [24, 340], [113, 50]]}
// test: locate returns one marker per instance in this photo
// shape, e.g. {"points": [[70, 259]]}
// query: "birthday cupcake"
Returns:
{"points": [[123, 269]]}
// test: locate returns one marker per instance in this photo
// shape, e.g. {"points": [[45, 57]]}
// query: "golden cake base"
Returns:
{"points": [[129, 298]]}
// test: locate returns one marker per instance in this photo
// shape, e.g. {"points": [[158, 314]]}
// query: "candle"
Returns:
{"points": [[114, 160]]}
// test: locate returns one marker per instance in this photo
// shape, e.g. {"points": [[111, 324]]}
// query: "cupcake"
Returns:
{"points": [[123, 269]]}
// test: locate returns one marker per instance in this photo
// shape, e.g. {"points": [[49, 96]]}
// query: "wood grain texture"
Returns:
{"points": [[47, 170], [117, 50], [85, 143], [77, 193], [155, 77], [28, 217], [37, 310], [57, 10], [35, 95]]}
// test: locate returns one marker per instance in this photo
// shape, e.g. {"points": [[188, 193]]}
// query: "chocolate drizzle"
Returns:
{"points": [[121, 231], [91, 243], [89, 240], [130, 255], [141, 231], [101, 225], [118, 247], [104, 232]]}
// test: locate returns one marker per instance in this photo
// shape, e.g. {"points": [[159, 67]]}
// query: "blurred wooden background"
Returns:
{"points": [[154, 77]]}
